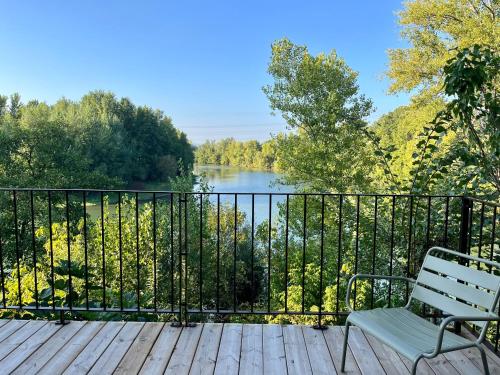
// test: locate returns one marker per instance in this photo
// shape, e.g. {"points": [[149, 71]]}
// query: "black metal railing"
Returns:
{"points": [[266, 256]]}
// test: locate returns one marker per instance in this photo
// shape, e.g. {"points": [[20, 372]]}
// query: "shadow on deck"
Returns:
{"points": [[42, 347]]}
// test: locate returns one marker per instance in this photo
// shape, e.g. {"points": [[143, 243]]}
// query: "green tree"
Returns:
{"points": [[433, 28], [319, 98]]}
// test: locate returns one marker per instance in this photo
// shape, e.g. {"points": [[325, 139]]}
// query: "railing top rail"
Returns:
{"points": [[488, 203], [80, 190]]}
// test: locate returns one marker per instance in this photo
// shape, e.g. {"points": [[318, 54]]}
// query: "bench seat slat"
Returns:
{"points": [[467, 274], [452, 287], [447, 304]]}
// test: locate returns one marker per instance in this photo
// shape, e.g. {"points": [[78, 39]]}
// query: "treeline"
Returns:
{"points": [[228, 151], [99, 141]]}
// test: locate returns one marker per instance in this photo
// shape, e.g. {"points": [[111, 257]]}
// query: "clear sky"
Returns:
{"points": [[202, 62]]}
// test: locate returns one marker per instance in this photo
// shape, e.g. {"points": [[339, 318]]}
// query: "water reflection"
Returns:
{"points": [[225, 179]]}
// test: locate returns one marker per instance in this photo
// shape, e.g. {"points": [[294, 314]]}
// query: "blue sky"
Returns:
{"points": [[202, 63]]}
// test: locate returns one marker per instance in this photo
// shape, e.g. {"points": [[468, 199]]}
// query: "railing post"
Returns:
{"points": [[179, 323], [464, 238], [187, 323], [464, 226], [62, 321], [183, 267]]}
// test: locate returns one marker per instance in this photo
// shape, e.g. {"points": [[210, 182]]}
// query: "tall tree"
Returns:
{"points": [[433, 28], [319, 98]]}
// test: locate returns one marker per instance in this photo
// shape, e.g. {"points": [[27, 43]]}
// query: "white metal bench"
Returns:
{"points": [[466, 294]]}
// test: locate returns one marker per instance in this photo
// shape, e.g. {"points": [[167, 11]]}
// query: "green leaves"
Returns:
{"points": [[319, 98]]}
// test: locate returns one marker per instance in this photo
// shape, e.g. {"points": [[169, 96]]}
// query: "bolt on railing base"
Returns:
{"points": [[320, 327], [61, 320]]}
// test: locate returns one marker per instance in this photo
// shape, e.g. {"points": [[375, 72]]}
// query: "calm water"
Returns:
{"points": [[224, 179]]}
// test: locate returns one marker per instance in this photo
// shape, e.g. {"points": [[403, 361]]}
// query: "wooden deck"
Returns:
{"points": [[36, 346]]}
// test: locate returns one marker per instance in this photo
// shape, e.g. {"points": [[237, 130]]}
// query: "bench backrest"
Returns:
{"points": [[455, 288]]}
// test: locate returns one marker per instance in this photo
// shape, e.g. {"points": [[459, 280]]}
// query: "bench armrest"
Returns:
{"points": [[451, 319], [373, 277]]}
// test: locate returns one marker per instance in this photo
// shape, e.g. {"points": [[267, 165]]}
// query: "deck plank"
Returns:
{"points": [[23, 351], [297, 360], [461, 363], [161, 352], [389, 359], [132, 361], [475, 357], [317, 350], [440, 365], [111, 357], [493, 359], [366, 359], [10, 328], [274, 349], [252, 361], [91, 353], [20, 336], [228, 357], [334, 338], [423, 367], [206, 352], [183, 354], [39, 358], [68, 352]]}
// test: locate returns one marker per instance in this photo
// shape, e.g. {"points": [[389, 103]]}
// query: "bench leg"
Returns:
{"points": [[344, 351], [414, 366], [485, 361]]}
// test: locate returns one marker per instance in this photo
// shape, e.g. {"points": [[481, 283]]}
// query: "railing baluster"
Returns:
{"points": [[339, 252], [103, 249], [428, 226], [480, 244], [155, 307], [493, 235], [85, 249], [374, 250], [68, 238], [321, 263], [269, 255], [356, 250], [446, 220], [235, 249], [393, 214], [49, 194], [120, 247], [201, 253], [286, 251], [252, 250], [2, 275], [408, 252], [304, 240], [137, 266], [471, 222], [18, 257], [33, 245], [218, 255], [179, 210], [186, 266], [172, 292]]}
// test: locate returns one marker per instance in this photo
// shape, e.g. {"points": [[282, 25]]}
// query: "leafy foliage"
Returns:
{"points": [[319, 98], [99, 141], [249, 154]]}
